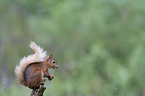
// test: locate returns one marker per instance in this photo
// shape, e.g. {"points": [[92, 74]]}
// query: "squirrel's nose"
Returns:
{"points": [[57, 66]]}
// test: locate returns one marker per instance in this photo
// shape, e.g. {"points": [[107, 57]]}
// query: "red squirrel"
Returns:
{"points": [[34, 68]]}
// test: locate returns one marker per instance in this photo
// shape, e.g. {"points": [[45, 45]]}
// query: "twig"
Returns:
{"points": [[39, 91]]}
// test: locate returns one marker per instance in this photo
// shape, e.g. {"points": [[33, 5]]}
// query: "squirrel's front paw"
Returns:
{"points": [[50, 77]]}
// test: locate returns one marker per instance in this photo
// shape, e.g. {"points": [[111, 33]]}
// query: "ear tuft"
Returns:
{"points": [[50, 56]]}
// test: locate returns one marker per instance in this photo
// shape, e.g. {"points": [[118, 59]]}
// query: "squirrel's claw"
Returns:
{"points": [[50, 77]]}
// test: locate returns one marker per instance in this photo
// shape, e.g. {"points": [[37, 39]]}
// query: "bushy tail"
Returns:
{"points": [[38, 56]]}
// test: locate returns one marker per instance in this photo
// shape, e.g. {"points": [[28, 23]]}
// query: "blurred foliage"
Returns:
{"points": [[98, 44]]}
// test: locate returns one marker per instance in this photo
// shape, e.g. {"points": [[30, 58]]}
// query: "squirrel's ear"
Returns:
{"points": [[49, 57]]}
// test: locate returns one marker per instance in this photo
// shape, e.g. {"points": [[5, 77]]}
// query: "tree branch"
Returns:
{"points": [[39, 91]]}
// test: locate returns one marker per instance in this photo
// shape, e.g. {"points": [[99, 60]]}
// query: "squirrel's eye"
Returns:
{"points": [[53, 62]]}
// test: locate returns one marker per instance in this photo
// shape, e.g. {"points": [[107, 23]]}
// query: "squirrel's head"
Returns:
{"points": [[51, 62]]}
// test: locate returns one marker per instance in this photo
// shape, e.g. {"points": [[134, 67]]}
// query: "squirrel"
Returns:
{"points": [[33, 68]]}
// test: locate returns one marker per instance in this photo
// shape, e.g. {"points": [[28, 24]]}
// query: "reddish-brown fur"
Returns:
{"points": [[33, 72]]}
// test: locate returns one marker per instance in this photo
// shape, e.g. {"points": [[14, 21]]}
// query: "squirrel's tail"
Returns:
{"points": [[38, 56]]}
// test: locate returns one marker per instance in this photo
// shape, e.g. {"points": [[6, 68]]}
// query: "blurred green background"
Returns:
{"points": [[98, 44]]}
